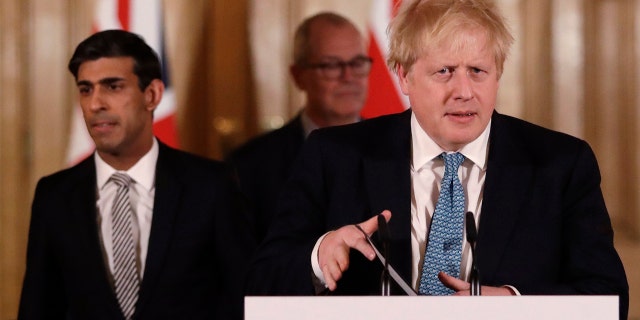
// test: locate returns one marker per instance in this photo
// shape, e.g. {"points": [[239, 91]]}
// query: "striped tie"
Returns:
{"points": [[444, 247], [125, 274]]}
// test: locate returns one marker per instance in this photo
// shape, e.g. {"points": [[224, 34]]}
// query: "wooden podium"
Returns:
{"points": [[426, 308]]}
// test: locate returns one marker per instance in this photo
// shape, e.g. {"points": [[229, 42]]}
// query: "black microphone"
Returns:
{"points": [[472, 234], [385, 237]]}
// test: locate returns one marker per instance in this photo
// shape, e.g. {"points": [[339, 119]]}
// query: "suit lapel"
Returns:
{"points": [[83, 210], [86, 237], [167, 199], [388, 184], [508, 175]]}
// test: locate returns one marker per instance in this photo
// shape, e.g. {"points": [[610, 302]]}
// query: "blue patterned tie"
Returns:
{"points": [[444, 247]]}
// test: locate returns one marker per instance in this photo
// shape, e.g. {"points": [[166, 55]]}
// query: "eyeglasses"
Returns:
{"points": [[359, 67]]}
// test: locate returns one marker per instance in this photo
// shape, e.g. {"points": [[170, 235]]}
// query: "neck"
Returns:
{"points": [[123, 161], [327, 120]]}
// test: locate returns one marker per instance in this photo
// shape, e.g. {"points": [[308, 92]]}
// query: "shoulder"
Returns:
{"points": [[367, 134], [283, 142], [534, 142], [70, 177], [66, 186], [190, 167], [528, 132]]}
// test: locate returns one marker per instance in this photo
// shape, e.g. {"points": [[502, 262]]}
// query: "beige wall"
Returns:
{"points": [[578, 59], [34, 105]]}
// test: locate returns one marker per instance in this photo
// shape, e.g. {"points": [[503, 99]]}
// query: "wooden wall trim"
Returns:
{"points": [[629, 141], [36, 40], [609, 83], [13, 167], [537, 63], [231, 106], [567, 49]]}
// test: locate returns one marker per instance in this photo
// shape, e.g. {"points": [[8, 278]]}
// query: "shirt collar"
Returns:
{"points": [[307, 124], [424, 149], [143, 172]]}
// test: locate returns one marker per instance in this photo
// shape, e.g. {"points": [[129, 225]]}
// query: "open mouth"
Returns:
{"points": [[103, 126], [461, 114]]}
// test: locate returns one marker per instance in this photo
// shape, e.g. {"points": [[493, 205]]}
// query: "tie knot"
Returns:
{"points": [[452, 160], [121, 179]]}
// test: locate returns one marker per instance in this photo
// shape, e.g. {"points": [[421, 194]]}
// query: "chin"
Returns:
{"points": [[464, 140], [106, 147]]}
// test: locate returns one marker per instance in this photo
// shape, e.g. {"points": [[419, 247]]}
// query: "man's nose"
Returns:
{"points": [[346, 72], [96, 100], [462, 86]]}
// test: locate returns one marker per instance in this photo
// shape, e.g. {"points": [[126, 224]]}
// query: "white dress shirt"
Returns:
{"points": [[142, 193], [427, 170]]}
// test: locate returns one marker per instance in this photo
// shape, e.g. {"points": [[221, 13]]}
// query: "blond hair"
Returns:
{"points": [[422, 25]]}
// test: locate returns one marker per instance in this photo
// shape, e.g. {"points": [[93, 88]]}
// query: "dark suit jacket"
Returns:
{"points": [[544, 226], [263, 166], [198, 248]]}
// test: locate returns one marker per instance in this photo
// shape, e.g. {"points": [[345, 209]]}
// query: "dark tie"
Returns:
{"points": [[444, 246], [125, 274]]}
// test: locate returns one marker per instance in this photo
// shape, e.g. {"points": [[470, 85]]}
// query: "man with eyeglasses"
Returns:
{"points": [[331, 66]]}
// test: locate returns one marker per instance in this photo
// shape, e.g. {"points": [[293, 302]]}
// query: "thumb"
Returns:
{"points": [[452, 282], [370, 226]]}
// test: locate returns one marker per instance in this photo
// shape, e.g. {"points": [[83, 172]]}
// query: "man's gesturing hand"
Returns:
{"points": [[333, 253]]}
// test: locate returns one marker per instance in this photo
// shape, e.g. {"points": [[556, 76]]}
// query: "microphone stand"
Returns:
{"points": [[384, 237], [472, 234]]}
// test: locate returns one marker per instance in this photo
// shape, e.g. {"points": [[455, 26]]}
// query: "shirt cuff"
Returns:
{"points": [[318, 277], [513, 289]]}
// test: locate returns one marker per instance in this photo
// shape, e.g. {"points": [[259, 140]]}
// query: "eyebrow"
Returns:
{"points": [[357, 56], [105, 81]]}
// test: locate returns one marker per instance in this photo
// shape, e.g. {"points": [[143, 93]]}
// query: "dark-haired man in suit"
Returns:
{"points": [[138, 230]]}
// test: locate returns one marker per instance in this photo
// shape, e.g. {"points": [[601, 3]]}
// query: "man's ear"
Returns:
{"points": [[404, 79], [153, 94], [297, 75]]}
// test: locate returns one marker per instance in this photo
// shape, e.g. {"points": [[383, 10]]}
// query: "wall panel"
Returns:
{"points": [[573, 68], [13, 169]]}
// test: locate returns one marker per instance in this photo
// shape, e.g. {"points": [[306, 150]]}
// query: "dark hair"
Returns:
{"points": [[119, 43]]}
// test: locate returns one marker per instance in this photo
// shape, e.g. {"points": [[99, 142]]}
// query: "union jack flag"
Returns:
{"points": [[385, 96]]}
